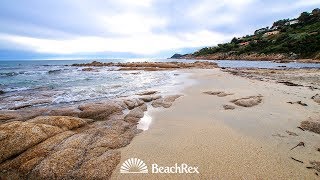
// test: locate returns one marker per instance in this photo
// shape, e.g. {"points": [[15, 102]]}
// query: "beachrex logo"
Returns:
{"points": [[135, 165]]}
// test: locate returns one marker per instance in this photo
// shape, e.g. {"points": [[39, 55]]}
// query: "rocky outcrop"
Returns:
{"points": [[248, 101], [153, 66], [85, 146]]}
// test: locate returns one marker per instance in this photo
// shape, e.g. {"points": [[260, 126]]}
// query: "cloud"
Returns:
{"points": [[144, 27], [144, 44]]}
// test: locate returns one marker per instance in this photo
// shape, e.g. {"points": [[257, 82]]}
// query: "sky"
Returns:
{"points": [[35, 29]]}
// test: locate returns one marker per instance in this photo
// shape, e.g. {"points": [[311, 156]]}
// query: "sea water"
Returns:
{"points": [[55, 82]]}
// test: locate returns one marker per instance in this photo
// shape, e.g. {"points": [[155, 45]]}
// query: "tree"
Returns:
{"points": [[235, 40], [280, 22], [304, 17]]}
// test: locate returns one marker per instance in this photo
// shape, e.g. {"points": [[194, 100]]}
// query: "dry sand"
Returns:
{"points": [[244, 143]]}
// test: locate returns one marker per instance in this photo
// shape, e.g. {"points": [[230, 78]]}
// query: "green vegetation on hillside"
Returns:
{"points": [[299, 38]]}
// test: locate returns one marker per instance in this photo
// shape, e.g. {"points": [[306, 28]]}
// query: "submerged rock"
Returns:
{"points": [[248, 101]]}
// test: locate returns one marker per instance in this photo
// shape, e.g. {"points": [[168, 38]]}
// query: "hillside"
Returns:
{"points": [[286, 39]]}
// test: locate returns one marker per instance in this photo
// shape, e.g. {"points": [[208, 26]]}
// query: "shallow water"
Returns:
{"points": [[52, 82]]}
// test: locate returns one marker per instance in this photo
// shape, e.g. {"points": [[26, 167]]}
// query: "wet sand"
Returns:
{"points": [[244, 143]]}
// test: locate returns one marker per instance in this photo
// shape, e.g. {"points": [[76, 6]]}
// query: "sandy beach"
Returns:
{"points": [[243, 143]]}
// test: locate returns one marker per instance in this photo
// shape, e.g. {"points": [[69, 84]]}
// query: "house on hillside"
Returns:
{"points": [[271, 33], [260, 31], [244, 43], [291, 22]]}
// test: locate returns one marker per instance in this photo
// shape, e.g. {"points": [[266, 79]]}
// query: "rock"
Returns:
{"points": [[135, 114], [132, 103], [5, 117], [228, 107], [66, 147], [147, 93], [21, 115], [165, 102], [248, 101], [149, 98], [58, 165], [1, 92], [218, 93], [63, 122], [100, 167], [20, 106], [17, 137], [154, 66], [99, 111], [56, 147], [312, 125], [88, 69], [67, 111], [316, 98]]}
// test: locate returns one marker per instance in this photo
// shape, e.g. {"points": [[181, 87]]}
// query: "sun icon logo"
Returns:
{"points": [[133, 165]]}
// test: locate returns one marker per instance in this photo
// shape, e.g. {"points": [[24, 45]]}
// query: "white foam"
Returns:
{"points": [[145, 122]]}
